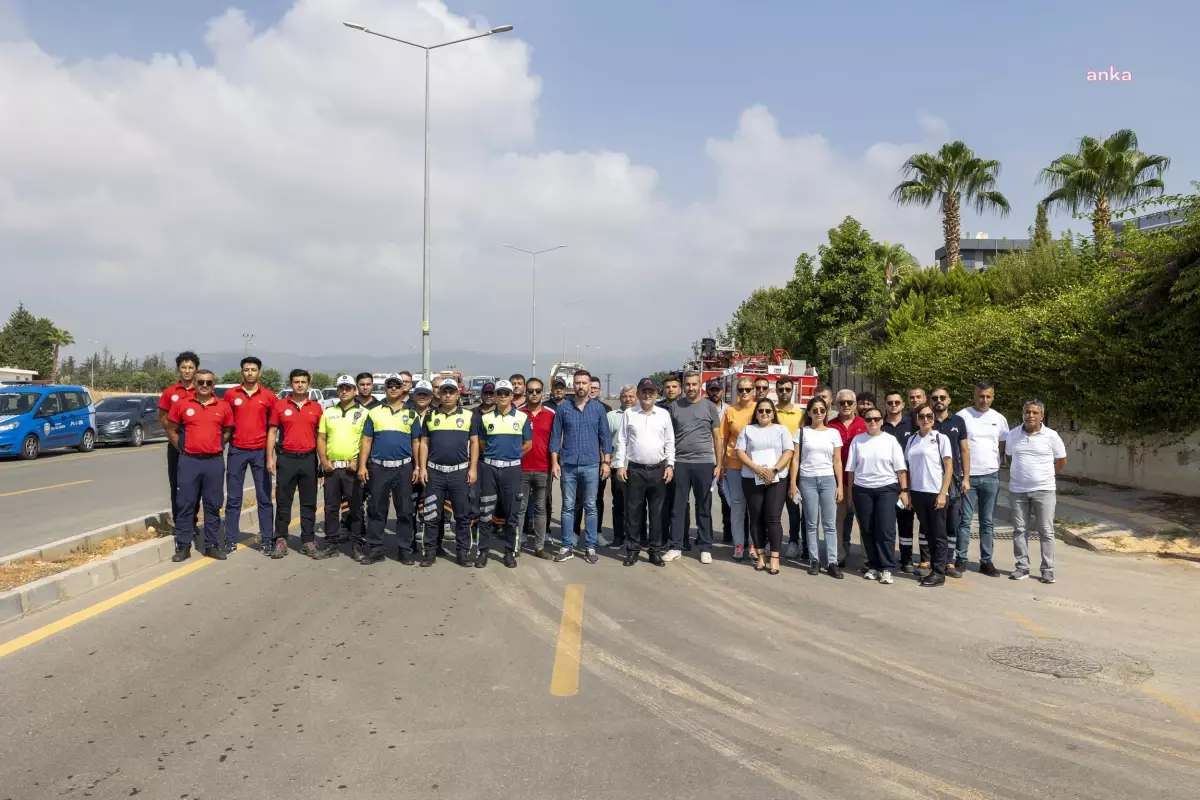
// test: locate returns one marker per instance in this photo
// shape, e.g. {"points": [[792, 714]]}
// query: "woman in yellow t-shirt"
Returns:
{"points": [[737, 416]]}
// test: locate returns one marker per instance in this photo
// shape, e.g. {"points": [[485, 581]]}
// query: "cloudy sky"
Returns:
{"points": [[179, 173]]}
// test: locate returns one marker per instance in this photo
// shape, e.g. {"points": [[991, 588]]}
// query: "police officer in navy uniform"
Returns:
{"points": [[339, 440], [419, 402], [449, 466], [487, 404], [390, 440], [200, 427], [503, 435]]}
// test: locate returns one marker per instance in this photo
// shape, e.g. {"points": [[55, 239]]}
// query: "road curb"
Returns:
{"points": [[1075, 540], [159, 520]]}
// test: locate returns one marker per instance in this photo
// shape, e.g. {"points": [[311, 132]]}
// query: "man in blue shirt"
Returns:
{"points": [[503, 435], [579, 442]]}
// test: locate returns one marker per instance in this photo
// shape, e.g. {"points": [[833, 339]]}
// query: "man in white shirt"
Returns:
{"points": [[1038, 455], [644, 457], [986, 433]]}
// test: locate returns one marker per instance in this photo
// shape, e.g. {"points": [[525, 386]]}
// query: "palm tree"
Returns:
{"points": [[951, 177], [1102, 173], [896, 262], [60, 339]]}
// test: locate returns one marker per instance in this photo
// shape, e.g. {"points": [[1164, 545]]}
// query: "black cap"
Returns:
{"points": [[646, 383], [554, 384], [713, 384], [488, 387]]}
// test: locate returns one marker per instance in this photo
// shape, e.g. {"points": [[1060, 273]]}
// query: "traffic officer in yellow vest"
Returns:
{"points": [[503, 435], [391, 440], [339, 435], [449, 464]]}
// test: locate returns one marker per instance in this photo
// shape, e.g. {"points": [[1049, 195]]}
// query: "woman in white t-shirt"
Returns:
{"points": [[878, 477], [764, 447], [930, 468], [817, 478]]}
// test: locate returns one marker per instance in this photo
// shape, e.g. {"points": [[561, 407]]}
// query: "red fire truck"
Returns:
{"points": [[727, 365]]}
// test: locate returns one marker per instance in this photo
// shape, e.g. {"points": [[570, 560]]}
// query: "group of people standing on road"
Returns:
{"points": [[488, 473]]}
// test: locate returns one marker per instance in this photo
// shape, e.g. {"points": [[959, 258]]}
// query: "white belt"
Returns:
{"points": [[342, 464], [392, 464], [455, 468], [502, 464]]}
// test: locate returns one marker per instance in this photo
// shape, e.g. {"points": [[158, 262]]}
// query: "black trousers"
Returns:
{"points": [[499, 506], [677, 514], [765, 504], [391, 486], [876, 512], [795, 521], [578, 521], [445, 486], [725, 524], [644, 494], [933, 525], [693, 481], [343, 485], [296, 472], [618, 512]]}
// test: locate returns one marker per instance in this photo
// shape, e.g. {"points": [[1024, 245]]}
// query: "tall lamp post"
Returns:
{"points": [[533, 296], [92, 365], [425, 229]]}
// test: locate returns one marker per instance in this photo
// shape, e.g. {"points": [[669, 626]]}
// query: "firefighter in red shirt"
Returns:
{"points": [[186, 363], [199, 428], [295, 419], [251, 403], [535, 469]]}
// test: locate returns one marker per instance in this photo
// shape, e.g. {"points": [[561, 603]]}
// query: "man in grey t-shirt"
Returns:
{"points": [[697, 442]]}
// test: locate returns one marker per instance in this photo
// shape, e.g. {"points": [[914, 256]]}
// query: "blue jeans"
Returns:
{"points": [[579, 478], [819, 494], [985, 490]]}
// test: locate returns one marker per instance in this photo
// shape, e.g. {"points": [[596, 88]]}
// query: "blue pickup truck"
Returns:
{"points": [[34, 418]]}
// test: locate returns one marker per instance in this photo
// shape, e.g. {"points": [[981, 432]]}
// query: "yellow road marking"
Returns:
{"points": [[44, 488], [564, 680], [1171, 702], [1030, 625], [41, 462]]}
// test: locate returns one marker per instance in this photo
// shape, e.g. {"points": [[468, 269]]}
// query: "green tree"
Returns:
{"points": [[1040, 236], [1101, 174], [59, 339], [953, 176], [320, 380], [763, 321], [849, 288], [896, 262], [230, 376], [271, 378], [25, 342]]}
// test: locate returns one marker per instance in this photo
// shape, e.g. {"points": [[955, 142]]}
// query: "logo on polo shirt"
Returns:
{"points": [[357, 415], [458, 422], [191, 412], [516, 425], [491, 427], [174, 397], [237, 401], [287, 413]]}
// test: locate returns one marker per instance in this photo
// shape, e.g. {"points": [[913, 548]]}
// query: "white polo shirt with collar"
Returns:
{"points": [[1033, 455]]}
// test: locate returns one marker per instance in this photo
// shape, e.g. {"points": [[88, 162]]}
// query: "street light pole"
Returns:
{"points": [[425, 226], [92, 365], [533, 297]]}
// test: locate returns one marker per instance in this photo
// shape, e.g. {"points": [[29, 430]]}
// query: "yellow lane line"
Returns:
{"points": [[564, 680], [44, 488], [42, 462], [1171, 702], [1030, 625]]}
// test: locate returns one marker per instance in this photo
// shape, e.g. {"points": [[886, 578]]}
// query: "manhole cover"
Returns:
{"points": [[1045, 661]]}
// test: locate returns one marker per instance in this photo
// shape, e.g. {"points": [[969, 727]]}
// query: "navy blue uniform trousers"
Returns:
{"points": [[391, 486], [235, 478], [200, 477], [499, 505], [445, 486]]}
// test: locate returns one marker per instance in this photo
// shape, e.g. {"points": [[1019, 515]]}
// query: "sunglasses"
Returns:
{"points": [[393, 385], [744, 390], [895, 402], [490, 391], [503, 393], [766, 411], [763, 388], [873, 420], [205, 383], [534, 391], [924, 416], [941, 397], [846, 402]]}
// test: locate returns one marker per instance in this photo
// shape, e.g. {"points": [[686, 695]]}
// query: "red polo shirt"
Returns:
{"points": [[251, 413], [201, 425], [298, 423], [173, 394], [848, 432], [538, 457]]}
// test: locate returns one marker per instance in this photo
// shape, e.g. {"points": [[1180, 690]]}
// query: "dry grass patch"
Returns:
{"points": [[19, 574], [1177, 542]]}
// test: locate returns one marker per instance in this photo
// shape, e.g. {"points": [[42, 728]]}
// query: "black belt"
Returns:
{"points": [[203, 455], [294, 454], [659, 465]]}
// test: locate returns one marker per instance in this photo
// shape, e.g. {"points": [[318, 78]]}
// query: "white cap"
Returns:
{"points": [[393, 376], [503, 385], [423, 386], [345, 380], [449, 382]]}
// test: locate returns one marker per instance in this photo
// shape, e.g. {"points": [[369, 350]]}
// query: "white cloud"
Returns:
{"points": [[160, 203]]}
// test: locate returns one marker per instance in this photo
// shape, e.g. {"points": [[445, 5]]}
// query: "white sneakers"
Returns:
{"points": [[885, 576], [793, 549], [706, 558], [672, 555]]}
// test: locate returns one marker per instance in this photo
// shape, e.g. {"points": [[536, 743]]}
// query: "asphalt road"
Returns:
{"points": [[255, 678], [63, 493]]}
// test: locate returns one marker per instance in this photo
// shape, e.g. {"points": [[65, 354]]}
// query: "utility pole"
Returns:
{"points": [[608, 384], [247, 342]]}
